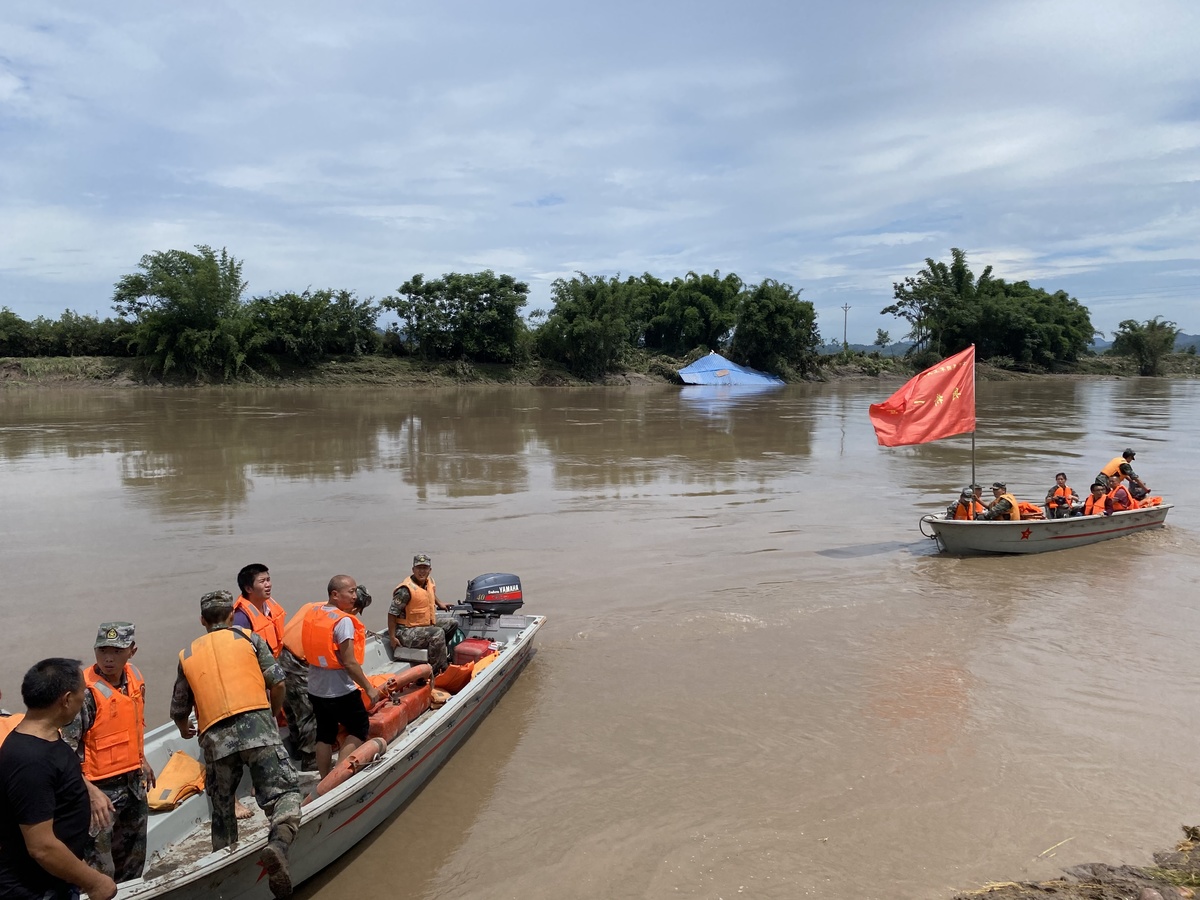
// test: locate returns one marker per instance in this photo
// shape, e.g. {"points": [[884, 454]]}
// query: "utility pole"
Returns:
{"points": [[845, 319]]}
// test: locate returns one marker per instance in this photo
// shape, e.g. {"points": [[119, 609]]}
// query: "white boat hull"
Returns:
{"points": [[335, 822], [964, 537]]}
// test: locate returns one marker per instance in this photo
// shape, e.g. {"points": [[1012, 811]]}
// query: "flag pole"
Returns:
{"points": [[973, 430]]}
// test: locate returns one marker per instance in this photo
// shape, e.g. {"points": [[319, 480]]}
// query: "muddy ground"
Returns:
{"points": [[1174, 874]]}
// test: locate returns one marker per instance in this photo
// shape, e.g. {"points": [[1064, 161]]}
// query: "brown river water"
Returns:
{"points": [[757, 678]]}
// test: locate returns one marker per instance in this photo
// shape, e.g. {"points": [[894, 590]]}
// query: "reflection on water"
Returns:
{"points": [[754, 666]]}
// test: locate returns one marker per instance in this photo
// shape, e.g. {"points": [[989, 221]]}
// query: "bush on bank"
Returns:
{"points": [[184, 316]]}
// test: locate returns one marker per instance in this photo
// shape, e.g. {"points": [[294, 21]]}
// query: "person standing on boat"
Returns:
{"points": [[109, 737], [256, 610], [1120, 468], [1097, 503], [1060, 499], [297, 705], [1005, 505], [45, 805], [227, 676], [412, 618], [334, 645]]}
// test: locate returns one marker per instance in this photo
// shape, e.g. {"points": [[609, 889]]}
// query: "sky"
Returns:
{"points": [[832, 146]]}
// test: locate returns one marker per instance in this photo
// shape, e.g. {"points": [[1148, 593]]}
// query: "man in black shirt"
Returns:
{"points": [[45, 807]]}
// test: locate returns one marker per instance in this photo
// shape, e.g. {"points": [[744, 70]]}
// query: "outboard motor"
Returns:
{"points": [[496, 593]]}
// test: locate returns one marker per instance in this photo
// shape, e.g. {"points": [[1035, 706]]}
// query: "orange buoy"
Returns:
{"points": [[388, 721], [352, 764], [389, 684], [416, 699]]}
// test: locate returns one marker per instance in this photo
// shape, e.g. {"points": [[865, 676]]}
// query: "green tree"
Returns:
{"points": [[927, 299], [776, 330], [311, 326], [591, 327], [882, 338], [16, 335], [473, 316], [949, 309], [695, 311], [1147, 342], [187, 313]]}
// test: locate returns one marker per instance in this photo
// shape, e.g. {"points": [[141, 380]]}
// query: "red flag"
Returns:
{"points": [[935, 404]]}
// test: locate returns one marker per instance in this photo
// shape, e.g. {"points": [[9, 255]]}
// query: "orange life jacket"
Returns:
{"points": [[293, 631], [115, 743], [223, 672], [1065, 492], [1095, 507], [1122, 499], [316, 634], [268, 625], [1113, 469], [421, 608], [976, 508], [8, 723], [1014, 512]]}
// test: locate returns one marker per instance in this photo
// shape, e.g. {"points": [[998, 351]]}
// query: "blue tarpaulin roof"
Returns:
{"points": [[716, 369]]}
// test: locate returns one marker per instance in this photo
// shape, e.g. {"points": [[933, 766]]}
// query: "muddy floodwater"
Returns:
{"points": [[757, 678]]}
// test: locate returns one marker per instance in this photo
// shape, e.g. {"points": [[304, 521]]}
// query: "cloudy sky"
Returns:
{"points": [[833, 146]]}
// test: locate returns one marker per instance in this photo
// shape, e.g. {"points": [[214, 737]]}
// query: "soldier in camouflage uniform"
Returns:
{"points": [[1001, 507], [434, 633], [245, 739], [119, 851]]}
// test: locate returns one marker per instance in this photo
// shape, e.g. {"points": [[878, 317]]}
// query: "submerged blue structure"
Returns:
{"points": [[716, 369]]}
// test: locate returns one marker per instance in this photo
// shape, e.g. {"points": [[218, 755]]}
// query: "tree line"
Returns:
{"points": [[186, 314]]}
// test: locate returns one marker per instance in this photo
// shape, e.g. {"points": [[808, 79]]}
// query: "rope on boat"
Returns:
{"points": [[935, 537]]}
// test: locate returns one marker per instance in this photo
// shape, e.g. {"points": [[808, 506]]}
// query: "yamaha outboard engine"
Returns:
{"points": [[496, 593]]}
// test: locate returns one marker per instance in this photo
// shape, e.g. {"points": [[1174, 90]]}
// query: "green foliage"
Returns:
{"points": [[474, 317], [187, 313], [71, 335], [1147, 342], [776, 330], [591, 326], [949, 309], [882, 338], [308, 327], [693, 311]]}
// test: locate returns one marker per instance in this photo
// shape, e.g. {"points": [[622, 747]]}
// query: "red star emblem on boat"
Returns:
{"points": [[1026, 533]]}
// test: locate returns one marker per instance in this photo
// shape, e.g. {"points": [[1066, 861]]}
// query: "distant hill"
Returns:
{"points": [[897, 349], [1182, 342]]}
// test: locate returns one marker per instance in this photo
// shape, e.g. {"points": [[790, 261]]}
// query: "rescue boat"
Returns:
{"points": [[180, 863], [966, 537]]}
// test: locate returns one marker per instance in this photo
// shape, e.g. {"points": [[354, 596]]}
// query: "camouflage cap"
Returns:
{"points": [[115, 634], [216, 600], [362, 599], [999, 486], [422, 559]]}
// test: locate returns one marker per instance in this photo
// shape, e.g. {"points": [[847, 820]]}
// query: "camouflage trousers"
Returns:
{"points": [[120, 851], [297, 708], [432, 638], [276, 789]]}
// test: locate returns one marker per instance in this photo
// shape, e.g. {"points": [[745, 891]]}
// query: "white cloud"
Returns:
{"points": [[832, 147]]}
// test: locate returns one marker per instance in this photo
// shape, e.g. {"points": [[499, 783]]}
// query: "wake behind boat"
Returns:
{"points": [[180, 863], [966, 536]]}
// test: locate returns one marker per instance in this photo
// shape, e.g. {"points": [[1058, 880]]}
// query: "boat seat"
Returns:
{"points": [[410, 655]]}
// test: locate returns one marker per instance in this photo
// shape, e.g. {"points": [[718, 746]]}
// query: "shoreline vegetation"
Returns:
{"points": [[381, 369]]}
